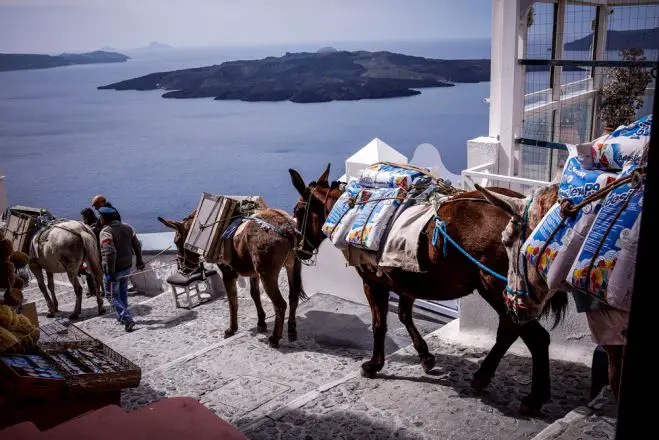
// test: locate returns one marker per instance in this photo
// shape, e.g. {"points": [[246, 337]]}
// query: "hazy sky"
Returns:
{"points": [[74, 25]]}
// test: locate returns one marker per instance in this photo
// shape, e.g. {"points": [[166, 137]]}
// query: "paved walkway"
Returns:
{"points": [[311, 388]]}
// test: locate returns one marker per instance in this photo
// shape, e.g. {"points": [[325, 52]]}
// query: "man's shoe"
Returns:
{"points": [[129, 326]]}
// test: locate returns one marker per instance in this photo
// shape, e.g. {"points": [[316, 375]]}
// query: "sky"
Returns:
{"points": [[51, 26]]}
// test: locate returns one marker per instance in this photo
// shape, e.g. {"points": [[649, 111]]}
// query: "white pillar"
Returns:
{"points": [[509, 26], [3, 196]]}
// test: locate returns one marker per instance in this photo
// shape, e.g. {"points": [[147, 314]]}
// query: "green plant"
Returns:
{"points": [[623, 91]]}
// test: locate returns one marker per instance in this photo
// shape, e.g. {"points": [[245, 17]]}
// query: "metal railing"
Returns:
{"points": [[484, 176]]}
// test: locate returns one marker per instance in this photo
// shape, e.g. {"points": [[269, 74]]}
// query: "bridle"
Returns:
{"points": [[520, 227], [305, 256], [183, 263]]}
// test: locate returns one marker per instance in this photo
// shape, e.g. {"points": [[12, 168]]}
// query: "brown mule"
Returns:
{"points": [[259, 252], [540, 203], [476, 226]]}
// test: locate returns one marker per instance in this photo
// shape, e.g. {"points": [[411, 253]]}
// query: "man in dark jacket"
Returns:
{"points": [[118, 244]]}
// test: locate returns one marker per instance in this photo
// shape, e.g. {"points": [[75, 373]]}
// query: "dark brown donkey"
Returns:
{"points": [[261, 249], [476, 226]]}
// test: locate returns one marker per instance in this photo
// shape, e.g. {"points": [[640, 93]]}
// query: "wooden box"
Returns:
{"points": [[18, 229], [118, 373], [26, 386], [214, 214], [124, 373]]}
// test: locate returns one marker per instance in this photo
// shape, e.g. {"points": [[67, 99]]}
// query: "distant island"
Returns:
{"points": [[154, 45], [11, 61], [617, 40], [313, 77]]}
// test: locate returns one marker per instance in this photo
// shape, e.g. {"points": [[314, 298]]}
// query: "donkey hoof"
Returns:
{"points": [[274, 342], [228, 333], [428, 363], [261, 327], [530, 406], [50, 314], [292, 335], [478, 384], [74, 316], [370, 370], [101, 310]]}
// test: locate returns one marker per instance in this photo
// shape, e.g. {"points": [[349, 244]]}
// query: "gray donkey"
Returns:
{"points": [[63, 248]]}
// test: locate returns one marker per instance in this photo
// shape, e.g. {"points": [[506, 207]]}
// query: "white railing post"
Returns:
{"points": [[3, 196], [509, 22]]}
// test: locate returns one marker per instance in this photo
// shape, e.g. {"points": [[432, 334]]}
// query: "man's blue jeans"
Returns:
{"points": [[119, 295]]}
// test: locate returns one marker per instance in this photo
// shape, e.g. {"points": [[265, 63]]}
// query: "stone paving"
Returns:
{"points": [[597, 420], [311, 388]]}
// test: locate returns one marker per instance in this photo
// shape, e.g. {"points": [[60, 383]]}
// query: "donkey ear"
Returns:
{"points": [[298, 182], [511, 205], [325, 175], [170, 223]]}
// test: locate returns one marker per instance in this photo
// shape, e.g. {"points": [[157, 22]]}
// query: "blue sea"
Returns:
{"points": [[62, 141]]}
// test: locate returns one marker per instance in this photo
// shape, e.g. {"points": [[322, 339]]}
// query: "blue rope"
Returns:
{"points": [[440, 228]]}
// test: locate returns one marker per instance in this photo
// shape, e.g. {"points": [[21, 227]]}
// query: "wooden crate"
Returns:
{"points": [[29, 387], [214, 214], [126, 374], [18, 228]]}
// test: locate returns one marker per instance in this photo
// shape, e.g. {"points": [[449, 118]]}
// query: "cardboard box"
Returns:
{"points": [[30, 310]]}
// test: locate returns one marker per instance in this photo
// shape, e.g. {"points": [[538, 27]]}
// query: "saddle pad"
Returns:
{"points": [[401, 247]]}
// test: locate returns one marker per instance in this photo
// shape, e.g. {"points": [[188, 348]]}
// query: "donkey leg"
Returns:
{"points": [[229, 277], [614, 353], [77, 288], [51, 287], [255, 293], [536, 338], [293, 301], [271, 285], [38, 274], [405, 315], [507, 334], [378, 299]]}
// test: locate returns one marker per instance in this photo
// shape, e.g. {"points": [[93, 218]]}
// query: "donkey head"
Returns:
{"points": [[311, 210], [186, 260], [526, 293]]}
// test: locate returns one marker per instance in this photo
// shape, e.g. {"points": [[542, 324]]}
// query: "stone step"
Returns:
{"points": [[403, 402], [242, 377]]}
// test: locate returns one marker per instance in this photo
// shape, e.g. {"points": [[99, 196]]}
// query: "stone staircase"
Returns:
{"points": [[311, 387]]}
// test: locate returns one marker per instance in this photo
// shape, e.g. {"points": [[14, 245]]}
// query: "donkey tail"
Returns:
{"points": [[297, 279], [92, 257], [556, 306]]}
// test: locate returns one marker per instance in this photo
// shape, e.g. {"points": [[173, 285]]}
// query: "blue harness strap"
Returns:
{"points": [[440, 228]]}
